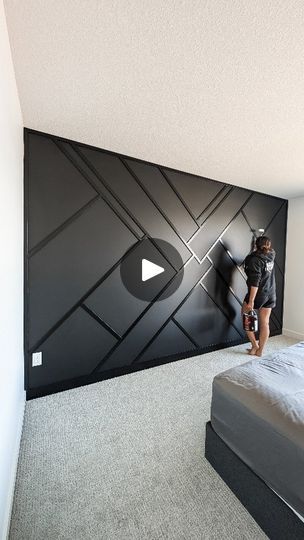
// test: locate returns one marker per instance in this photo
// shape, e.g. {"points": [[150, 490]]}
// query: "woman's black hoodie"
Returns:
{"points": [[259, 268]]}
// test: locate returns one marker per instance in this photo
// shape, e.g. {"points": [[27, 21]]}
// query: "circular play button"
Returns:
{"points": [[152, 270]]}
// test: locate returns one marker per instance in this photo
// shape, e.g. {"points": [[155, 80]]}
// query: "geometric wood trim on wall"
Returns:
{"points": [[86, 211]]}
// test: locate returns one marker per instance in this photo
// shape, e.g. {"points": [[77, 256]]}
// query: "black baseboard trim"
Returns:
{"points": [[274, 517], [33, 393]]}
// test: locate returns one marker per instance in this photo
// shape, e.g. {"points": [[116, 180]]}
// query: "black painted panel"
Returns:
{"points": [[75, 347], [216, 202], [85, 209], [71, 263], [135, 199], [276, 231], [114, 304], [238, 239], [261, 209], [231, 274], [204, 321], [197, 192], [220, 293], [274, 325], [164, 196], [218, 221], [171, 340], [56, 189], [73, 155], [278, 310], [130, 349]]}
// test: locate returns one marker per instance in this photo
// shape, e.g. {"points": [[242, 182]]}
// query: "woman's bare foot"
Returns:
{"points": [[259, 352], [253, 350]]}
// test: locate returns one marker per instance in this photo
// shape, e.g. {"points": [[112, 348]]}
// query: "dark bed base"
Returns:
{"points": [[276, 519]]}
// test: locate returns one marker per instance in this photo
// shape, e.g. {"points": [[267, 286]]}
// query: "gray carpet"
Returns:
{"points": [[124, 459]]}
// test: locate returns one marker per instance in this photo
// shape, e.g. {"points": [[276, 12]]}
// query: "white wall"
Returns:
{"points": [[11, 276], [294, 291]]}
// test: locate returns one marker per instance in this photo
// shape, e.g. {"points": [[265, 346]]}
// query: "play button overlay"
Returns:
{"points": [[152, 270], [149, 270]]}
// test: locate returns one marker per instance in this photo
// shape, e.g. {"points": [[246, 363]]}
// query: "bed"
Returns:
{"points": [[256, 438]]}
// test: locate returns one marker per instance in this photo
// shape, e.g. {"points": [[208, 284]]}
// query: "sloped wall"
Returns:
{"points": [[88, 212]]}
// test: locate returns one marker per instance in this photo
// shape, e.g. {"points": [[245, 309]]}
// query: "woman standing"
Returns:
{"points": [[261, 295]]}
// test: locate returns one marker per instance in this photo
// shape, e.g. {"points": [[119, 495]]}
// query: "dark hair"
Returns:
{"points": [[263, 244]]}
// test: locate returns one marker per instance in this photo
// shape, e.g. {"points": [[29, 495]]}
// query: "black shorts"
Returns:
{"points": [[262, 301]]}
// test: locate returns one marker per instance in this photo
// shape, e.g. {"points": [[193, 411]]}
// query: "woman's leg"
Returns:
{"points": [[264, 315], [251, 337]]}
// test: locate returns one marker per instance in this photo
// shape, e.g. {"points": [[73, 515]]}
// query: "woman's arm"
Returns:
{"points": [[252, 294], [254, 274]]}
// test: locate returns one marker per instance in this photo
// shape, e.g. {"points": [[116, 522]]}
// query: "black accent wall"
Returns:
{"points": [[87, 210]]}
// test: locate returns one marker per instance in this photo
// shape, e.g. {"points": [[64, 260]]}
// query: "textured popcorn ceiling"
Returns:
{"points": [[210, 87]]}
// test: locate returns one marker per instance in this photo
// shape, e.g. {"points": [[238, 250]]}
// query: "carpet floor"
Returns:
{"points": [[123, 459]]}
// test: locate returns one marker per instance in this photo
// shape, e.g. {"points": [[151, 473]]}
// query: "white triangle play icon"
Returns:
{"points": [[150, 269]]}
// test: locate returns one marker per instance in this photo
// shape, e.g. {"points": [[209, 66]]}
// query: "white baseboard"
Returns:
{"points": [[292, 334], [13, 472]]}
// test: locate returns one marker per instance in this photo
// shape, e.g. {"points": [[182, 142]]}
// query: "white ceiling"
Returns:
{"points": [[210, 87]]}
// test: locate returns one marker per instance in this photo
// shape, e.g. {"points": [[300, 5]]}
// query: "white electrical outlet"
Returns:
{"points": [[36, 359]]}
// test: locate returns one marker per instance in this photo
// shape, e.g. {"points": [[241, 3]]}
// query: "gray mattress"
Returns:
{"points": [[258, 410]]}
